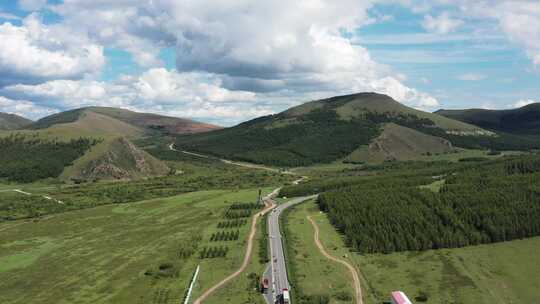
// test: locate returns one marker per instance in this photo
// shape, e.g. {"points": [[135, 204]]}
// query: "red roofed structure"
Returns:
{"points": [[398, 297]]}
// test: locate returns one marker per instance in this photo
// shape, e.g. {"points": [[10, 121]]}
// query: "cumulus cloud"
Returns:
{"points": [[519, 20], [157, 90], [442, 24], [36, 52], [234, 60], [523, 102], [24, 108]]}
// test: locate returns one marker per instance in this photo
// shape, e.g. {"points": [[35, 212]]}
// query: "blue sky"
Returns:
{"points": [[234, 62]]}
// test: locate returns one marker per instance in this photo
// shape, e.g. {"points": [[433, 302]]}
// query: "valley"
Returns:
{"points": [[104, 205]]}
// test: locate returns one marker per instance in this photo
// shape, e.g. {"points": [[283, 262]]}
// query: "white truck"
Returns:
{"points": [[286, 296]]}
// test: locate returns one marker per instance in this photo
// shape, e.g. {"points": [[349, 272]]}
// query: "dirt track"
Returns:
{"points": [[356, 278], [247, 257]]}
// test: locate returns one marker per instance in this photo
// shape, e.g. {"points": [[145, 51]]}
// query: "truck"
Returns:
{"points": [[286, 296], [264, 285]]}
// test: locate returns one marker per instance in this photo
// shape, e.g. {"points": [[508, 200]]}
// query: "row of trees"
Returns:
{"points": [[245, 206], [213, 252], [237, 214], [225, 236], [484, 204], [231, 224]]}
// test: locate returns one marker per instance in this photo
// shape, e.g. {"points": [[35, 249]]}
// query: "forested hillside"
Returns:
{"points": [[332, 129], [524, 120], [488, 202], [27, 158]]}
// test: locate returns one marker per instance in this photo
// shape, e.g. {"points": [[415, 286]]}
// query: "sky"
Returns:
{"points": [[228, 61]]}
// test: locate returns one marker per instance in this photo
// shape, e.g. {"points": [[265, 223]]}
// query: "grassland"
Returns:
{"points": [[313, 276], [141, 252], [497, 273]]}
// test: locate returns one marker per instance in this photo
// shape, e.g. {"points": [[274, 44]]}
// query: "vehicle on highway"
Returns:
{"points": [[286, 297], [264, 285]]}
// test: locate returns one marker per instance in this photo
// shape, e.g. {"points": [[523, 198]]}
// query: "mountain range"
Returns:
{"points": [[357, 128], [361, 128], [524, 120]]}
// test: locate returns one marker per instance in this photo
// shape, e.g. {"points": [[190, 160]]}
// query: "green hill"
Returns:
{"points": [[146, 122], [13, 121], [112, 154], [524, 121], [326, 130], [400, 143]]}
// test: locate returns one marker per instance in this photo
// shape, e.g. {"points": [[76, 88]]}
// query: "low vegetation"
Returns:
{"points": [[500, 273], [143, 252], [191, 174]]}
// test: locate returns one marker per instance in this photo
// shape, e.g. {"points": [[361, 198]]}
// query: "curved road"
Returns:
{"points": [[352, 270], [278, 271]]}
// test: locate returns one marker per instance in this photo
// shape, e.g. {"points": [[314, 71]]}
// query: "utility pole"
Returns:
{"points": [[260, 198]]}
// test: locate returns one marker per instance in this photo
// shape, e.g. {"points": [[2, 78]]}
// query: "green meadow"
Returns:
{"points": [[142, 252]]}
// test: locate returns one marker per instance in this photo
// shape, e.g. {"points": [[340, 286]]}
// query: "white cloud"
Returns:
{"points": [[523, 102], [519, 20], [472, 77], [237, 51], [36, 52], [24, 108], [158, 90], [32, 5], [442, 24]]}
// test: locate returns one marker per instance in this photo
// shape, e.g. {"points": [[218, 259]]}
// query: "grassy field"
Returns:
{"points": [[141, 252], [497, 273], [312, 274]]}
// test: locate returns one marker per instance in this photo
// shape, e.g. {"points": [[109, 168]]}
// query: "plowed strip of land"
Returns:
{"points": [[356, 278]]}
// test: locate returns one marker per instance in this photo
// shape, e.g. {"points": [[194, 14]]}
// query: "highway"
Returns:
{"points": [[277, 276]]}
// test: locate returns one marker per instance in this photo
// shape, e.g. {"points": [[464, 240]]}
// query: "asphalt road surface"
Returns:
{"points": [[278, 270]]}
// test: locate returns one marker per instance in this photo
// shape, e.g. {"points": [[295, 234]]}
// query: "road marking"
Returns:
{"points": [[193, 280]]}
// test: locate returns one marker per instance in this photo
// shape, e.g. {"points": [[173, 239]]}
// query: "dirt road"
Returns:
{"points": [[356, 278], [230, 162], [270, 204]]}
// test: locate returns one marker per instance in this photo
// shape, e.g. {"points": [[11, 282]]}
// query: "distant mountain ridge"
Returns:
{"points": [[524, 120], [13, 121], [144, 121], [338, 128]]}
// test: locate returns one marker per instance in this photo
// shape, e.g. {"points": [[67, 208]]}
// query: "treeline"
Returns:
{"points": [[194, 178], [225, 236], [264, 252], [231, 224], [392, 174], [16, 205], [213, 252], [490, 202], [236, 214], [29, 158], [241, 210], [245, 206]]}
